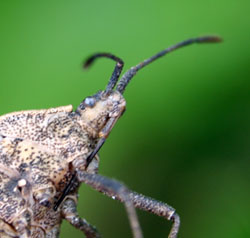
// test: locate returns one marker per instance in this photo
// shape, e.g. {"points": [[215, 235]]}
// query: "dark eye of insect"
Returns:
{"points": [[89, 102]]}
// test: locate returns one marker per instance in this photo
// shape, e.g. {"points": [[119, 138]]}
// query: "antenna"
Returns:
{"points": [[131, 73], [116, 73]]}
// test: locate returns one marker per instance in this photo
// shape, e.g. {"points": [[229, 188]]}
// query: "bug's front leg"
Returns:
{"points": [[158, 208], [115, 189], [111, 188], [69, 212]]}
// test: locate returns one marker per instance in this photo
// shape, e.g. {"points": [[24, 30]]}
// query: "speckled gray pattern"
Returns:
{"points": [[39, 151]]}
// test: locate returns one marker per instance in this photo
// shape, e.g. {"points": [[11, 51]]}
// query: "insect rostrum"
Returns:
{"points": [[46, 154]]}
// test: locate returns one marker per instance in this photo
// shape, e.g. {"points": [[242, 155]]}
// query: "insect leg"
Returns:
{"points": [[111, 188], [158, 208], [70, 214], [114, 189]]}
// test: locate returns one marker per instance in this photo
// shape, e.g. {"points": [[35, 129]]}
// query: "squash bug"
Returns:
{"points": [[46, 154]]}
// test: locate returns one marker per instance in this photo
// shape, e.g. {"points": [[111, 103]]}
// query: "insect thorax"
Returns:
{"points": [[39, 151], [36, 151]]}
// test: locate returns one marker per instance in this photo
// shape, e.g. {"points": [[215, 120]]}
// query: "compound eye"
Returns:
{"points": [[89, 102]]}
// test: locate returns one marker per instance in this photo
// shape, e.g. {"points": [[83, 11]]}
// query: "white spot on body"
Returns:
{"points": [[21, 182]]}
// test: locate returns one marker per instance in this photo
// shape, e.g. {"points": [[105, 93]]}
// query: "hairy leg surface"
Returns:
{"points": [[69, 212], [117, 190], [111, 187], [158, 208]]}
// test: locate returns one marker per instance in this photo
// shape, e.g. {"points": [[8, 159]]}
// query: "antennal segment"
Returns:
{"points": [[131, 73], [116, 73]]}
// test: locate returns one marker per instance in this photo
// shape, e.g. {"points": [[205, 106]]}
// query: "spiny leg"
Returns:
{"points": [[156, 207], [115, 189], [69, 212], [111, 188]]}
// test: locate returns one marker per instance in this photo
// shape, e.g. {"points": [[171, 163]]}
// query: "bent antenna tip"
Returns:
{"points": [[209, 39], [87, 62]]}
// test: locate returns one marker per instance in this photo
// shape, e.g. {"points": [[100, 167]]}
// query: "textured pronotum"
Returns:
{"points": [[46, 154]]}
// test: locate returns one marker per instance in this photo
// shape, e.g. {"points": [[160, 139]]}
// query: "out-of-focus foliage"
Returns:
{"points": [[184, 138]]}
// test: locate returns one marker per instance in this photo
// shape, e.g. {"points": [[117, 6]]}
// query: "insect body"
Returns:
{"points": [[46, 154]]}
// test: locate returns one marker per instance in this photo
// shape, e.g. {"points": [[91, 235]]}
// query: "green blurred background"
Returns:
{"points": [[184, 138]]}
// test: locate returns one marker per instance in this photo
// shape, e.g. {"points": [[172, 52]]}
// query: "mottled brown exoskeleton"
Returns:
{"points": [[46, 154]]}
